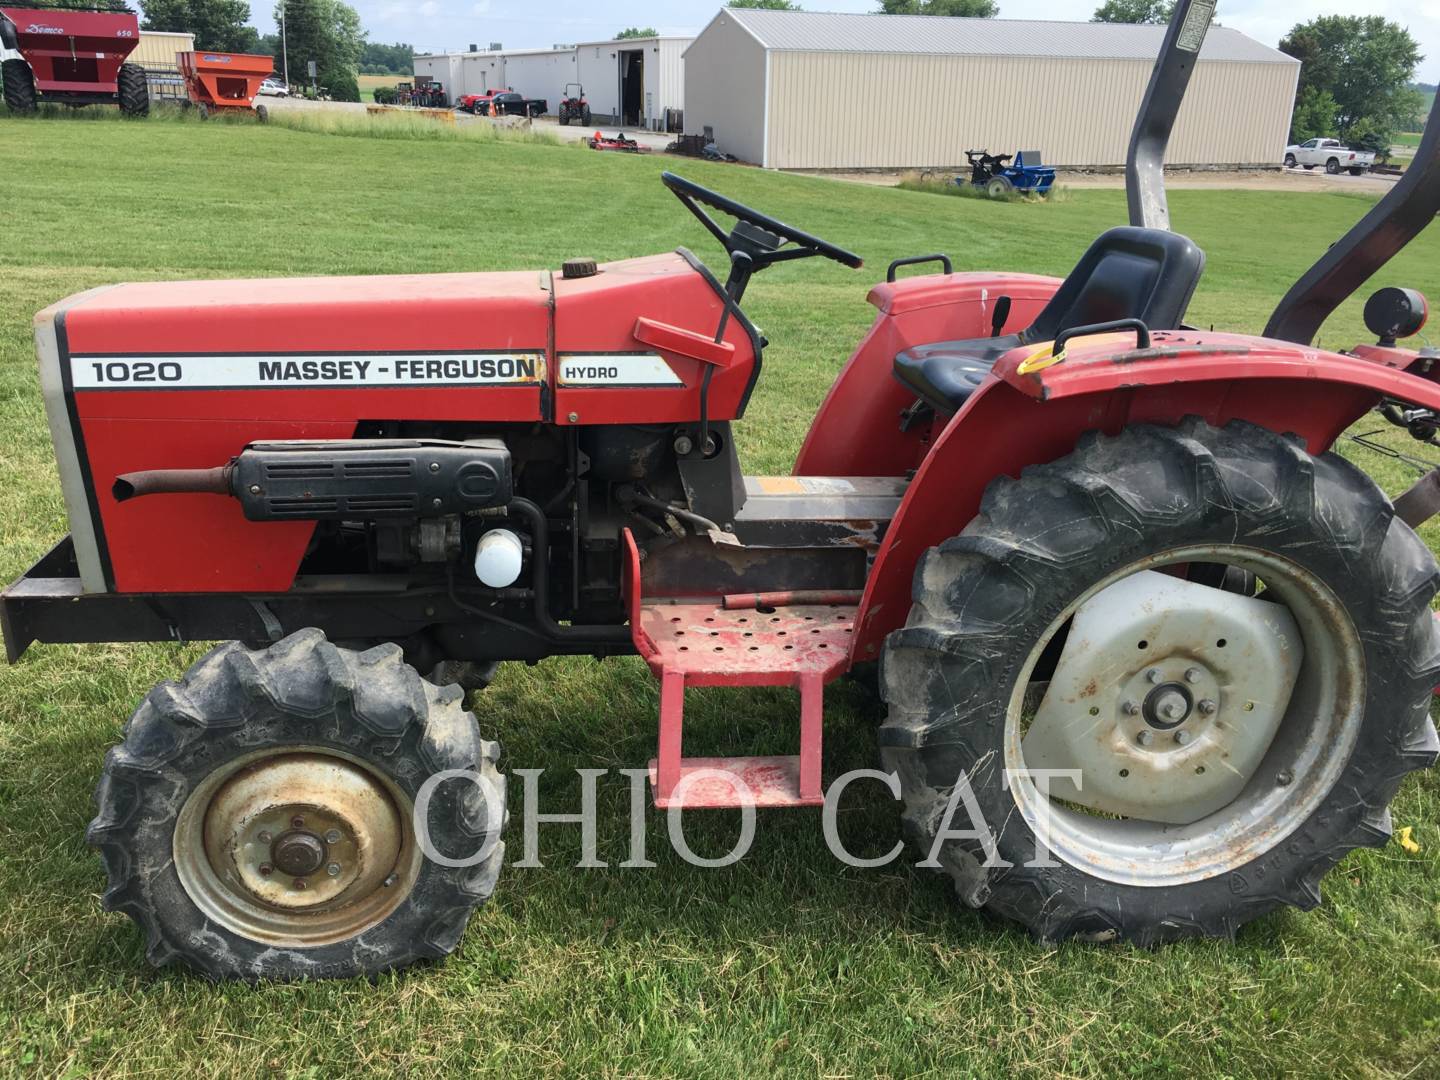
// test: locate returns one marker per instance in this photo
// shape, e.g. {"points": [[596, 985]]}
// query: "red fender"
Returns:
{"points": [[857, 430], [1015, 420]]}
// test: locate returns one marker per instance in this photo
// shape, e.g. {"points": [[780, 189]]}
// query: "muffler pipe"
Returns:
{"points": [[133, 485]]}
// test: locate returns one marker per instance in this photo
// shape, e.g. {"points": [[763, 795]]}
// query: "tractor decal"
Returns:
{"points": [[616, 370], [247, 372]]}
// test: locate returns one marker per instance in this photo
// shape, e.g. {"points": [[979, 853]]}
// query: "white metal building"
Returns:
{"points": [[637, 82], [443, 68], [812, 90], [541, 74]]}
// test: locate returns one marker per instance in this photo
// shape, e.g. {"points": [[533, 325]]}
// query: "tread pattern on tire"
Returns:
{"points": [[300, 691], [19, 86], [1039, 541], [134, 90]]}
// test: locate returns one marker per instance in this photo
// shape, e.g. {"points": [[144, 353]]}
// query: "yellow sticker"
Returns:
{"points": [[1040, 359]]}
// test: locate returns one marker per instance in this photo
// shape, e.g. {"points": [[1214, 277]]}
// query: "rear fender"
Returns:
{"points": [[1018, 420], [857, 430]]}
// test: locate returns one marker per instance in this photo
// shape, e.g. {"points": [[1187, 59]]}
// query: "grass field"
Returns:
{"points": [[786, 964], [368, 83]]}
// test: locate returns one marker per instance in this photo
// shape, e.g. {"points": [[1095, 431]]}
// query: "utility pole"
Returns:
{"points": [[284, 54]]}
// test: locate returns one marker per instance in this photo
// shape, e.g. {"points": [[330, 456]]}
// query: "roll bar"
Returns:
{"points": [[1372, 242], [1145, 162]]}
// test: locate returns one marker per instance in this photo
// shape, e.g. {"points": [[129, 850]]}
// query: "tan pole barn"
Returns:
{"points": [[813, 90]]}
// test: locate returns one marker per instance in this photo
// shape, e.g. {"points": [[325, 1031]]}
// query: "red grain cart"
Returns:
{"points": [[223, 81], [72, 58]]}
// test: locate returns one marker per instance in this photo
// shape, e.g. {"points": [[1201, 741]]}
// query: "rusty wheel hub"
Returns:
{"points": [[297, 846]]}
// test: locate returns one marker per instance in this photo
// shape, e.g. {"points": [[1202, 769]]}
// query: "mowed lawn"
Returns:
{"points": [[785, 964]]}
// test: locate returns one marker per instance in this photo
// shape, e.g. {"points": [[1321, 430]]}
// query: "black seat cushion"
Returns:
{"points": [[1128, 273], [948, 372]]}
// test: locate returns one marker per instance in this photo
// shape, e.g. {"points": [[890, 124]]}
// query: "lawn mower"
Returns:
{"points": [[73, 58], [619, 142], [990, 174], [1153, 658], [573, 105]]}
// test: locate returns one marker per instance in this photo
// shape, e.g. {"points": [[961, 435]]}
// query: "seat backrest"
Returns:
{"points": [[1128, 273], [1027, 158]]}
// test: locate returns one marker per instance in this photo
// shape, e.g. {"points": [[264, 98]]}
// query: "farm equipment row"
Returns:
{"points": [[75, 58], [1153, 659]]}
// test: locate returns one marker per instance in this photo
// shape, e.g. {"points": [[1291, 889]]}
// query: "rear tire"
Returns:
{"points": [[988, 599], [19, 86], [1333, 167], [134, 90], [999, 187], [262, 113], [344, 742], [585, 116]]}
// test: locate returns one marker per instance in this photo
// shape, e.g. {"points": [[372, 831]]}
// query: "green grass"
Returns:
{"points": [[787, 964]]}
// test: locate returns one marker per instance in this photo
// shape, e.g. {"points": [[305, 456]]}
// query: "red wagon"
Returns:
{"points": [[217, 81], [71, 58]]}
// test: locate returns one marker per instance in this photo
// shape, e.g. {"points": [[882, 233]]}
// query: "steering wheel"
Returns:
{"points": [[757, 237]]}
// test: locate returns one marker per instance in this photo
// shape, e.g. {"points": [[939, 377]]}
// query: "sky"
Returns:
{"points": [[437, 25]]}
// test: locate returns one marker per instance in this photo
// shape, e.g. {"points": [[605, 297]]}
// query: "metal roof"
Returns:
{"points": [[819, 31]]}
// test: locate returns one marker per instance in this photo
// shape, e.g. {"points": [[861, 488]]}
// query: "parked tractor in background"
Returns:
{"points": [[573, 105], [990, 174], [72, 58], [429, 94], [1153, 658]]}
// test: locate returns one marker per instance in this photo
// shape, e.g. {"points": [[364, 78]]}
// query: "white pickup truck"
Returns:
{"points": [[1331, 153]]}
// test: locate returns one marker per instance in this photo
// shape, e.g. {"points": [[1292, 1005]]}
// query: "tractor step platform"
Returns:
{"points": [[706, 644]]}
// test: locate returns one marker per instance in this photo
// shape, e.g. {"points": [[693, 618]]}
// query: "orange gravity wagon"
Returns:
{"points": [[218, 81]]}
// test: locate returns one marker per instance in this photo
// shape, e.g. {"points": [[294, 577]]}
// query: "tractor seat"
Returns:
{"points": [[1128, 273]]}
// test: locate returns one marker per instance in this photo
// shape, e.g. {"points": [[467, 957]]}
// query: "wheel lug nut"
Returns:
{"points": [[263, 837], [1145, 738], [297, 822], [333, 836], [1182, 737], [1130, 708], [1153, 675], [1192, 675], [333, 869], [1207, 707], [299, 883], [266, 869], [1284, 777]]}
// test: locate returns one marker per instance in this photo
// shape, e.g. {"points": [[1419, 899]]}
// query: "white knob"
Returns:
{"points": [[498, 557]]}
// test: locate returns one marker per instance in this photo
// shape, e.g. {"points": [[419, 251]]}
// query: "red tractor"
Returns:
{"points": [[573, 105], [71, 58], [1155, 659]]}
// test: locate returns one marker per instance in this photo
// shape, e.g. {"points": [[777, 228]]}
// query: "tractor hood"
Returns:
{"points": [[187, 374]]}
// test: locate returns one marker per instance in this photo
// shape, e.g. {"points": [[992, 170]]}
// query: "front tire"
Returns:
{"points": [[19, 86], [258, 821], [990, 603], [1290, 161]]}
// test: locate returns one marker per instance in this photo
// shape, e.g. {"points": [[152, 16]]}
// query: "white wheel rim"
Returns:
{"points": [[1312, 735]]}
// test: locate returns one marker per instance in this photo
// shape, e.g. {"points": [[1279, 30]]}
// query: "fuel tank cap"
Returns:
{"points": [[578, 268]]}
